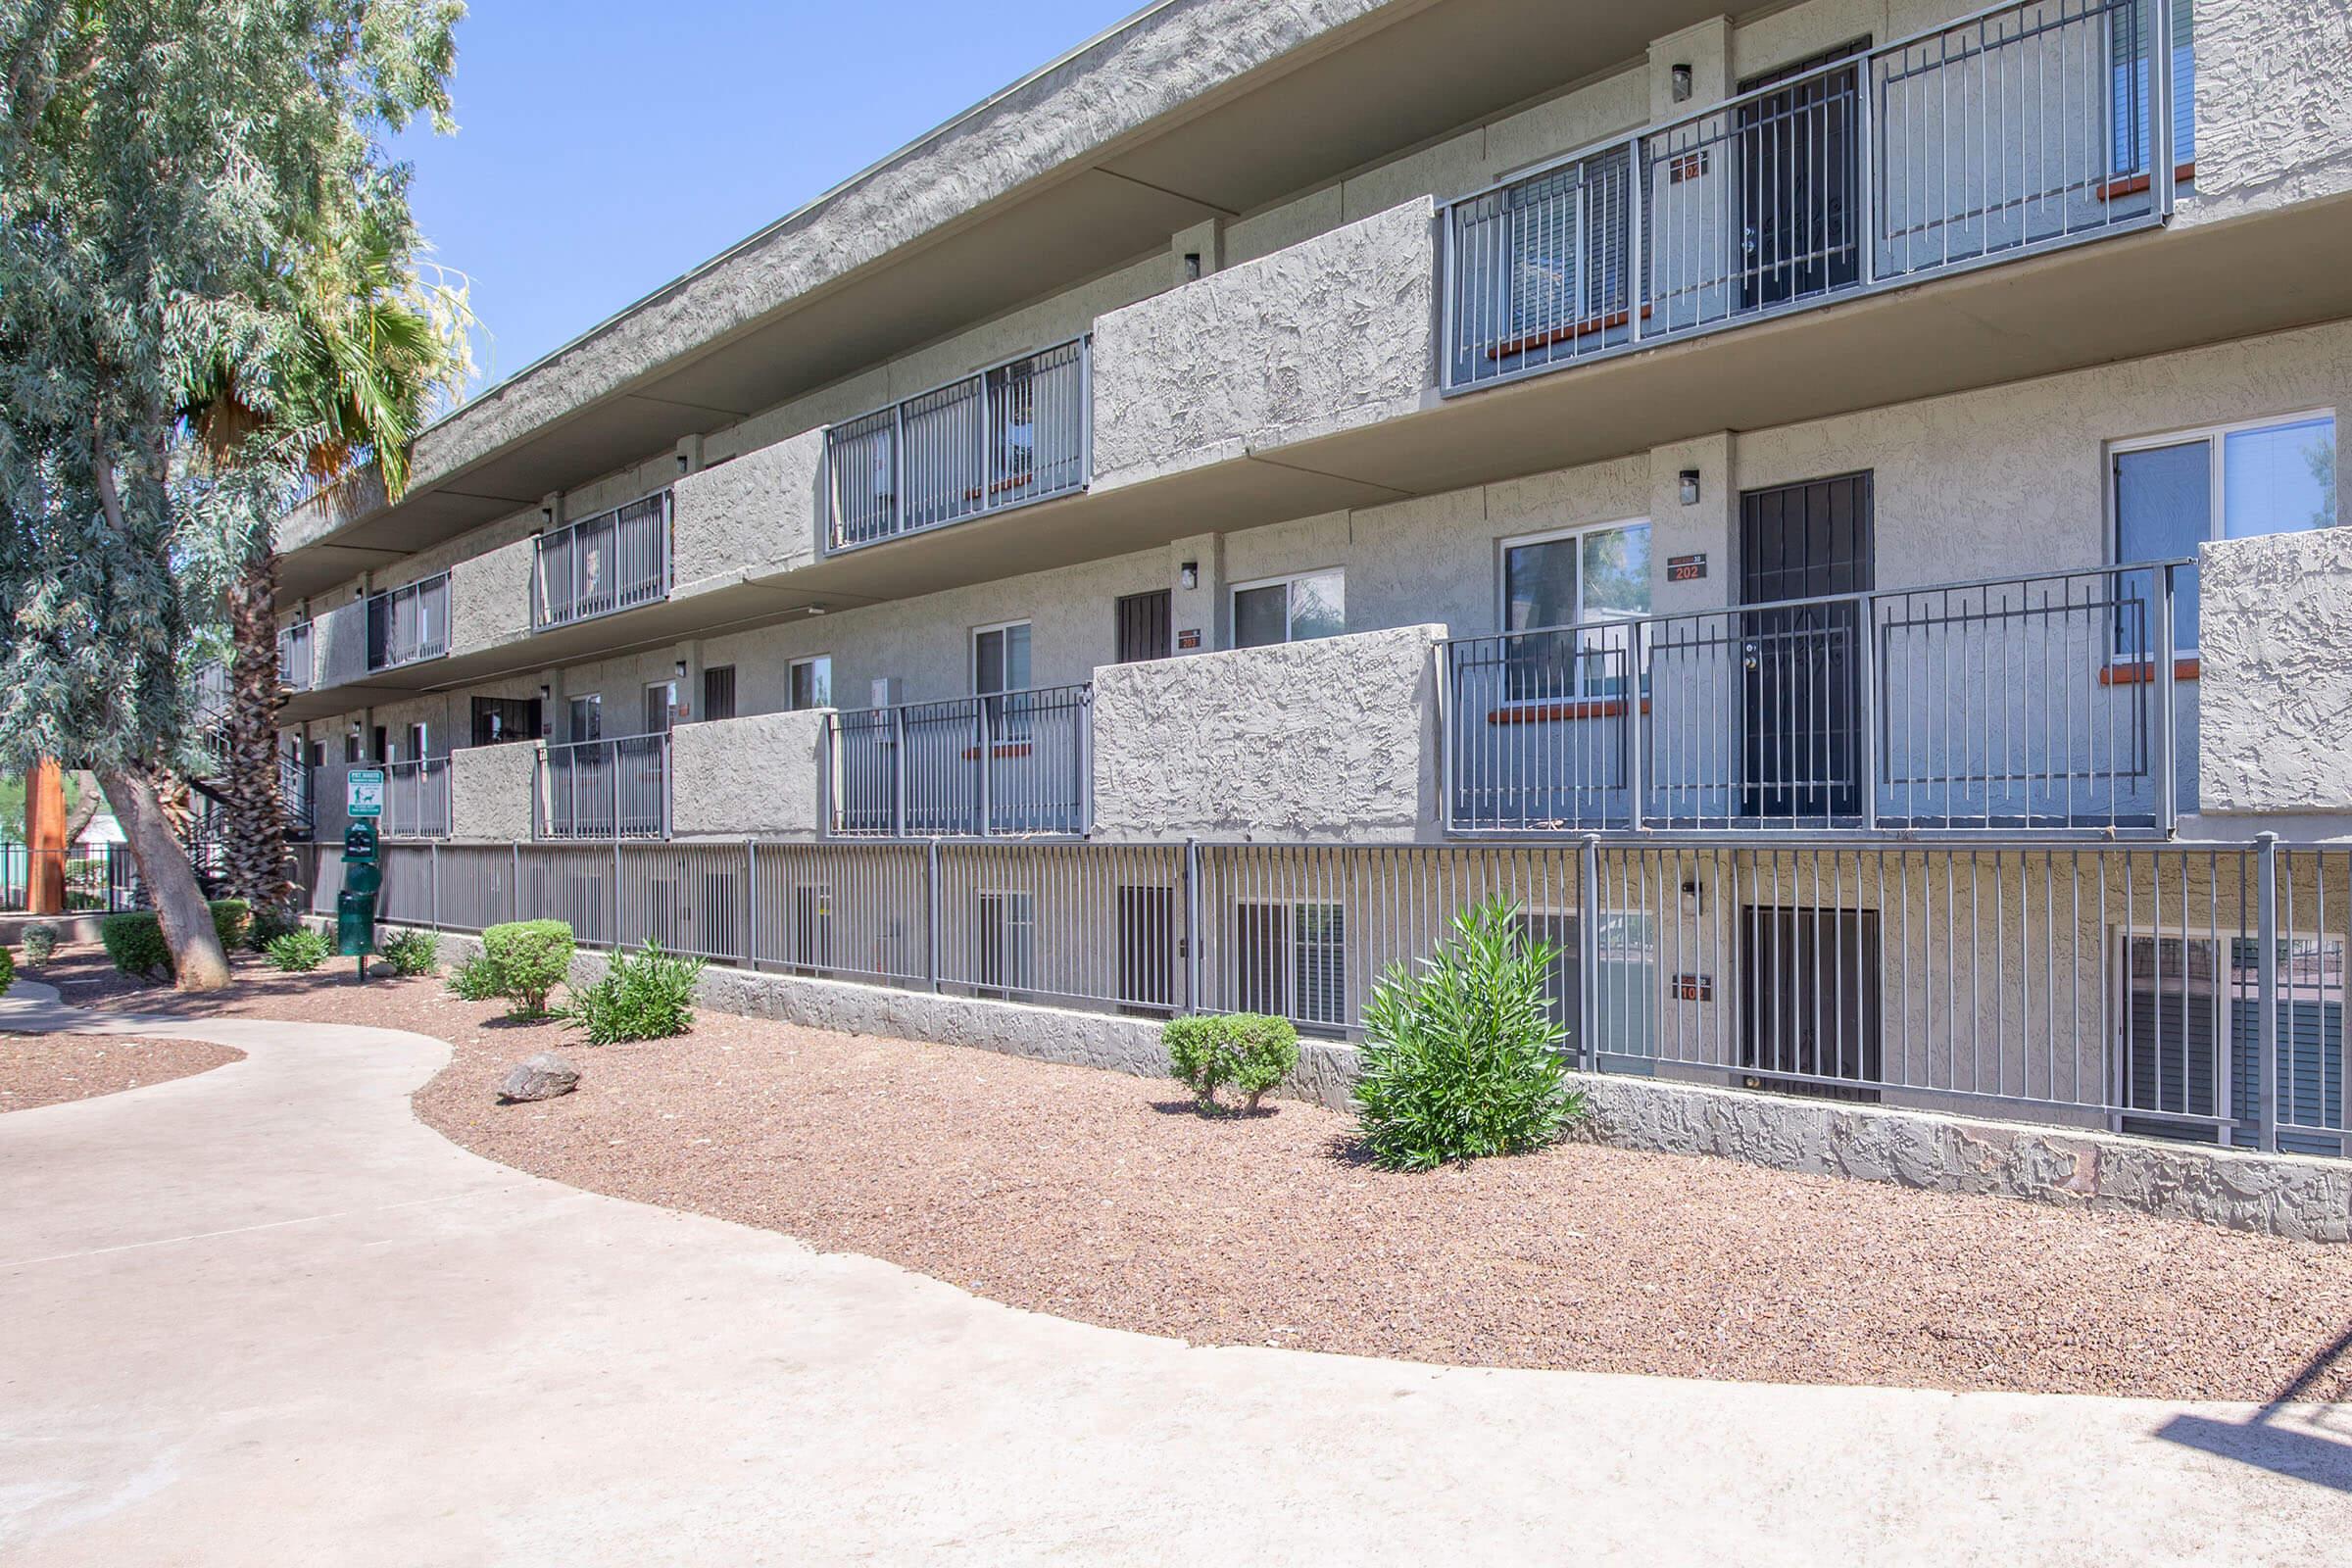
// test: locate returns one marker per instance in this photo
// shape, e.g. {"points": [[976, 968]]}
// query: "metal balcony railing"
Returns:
{"points": [[2021, 129], [417, 798], [1022, 431], [2023, 703], [409, 624], [1015, 763], [297, 658], [613, 560], [604, 789]]}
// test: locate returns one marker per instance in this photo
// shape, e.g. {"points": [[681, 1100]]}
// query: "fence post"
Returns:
{"points": [[432, 902], [1870, 713], [751, 903], [2160, 108], [898, 772], [514, 884], [2166, 741], [931, 912], [1588, 955], [987, 824], [2266, 969], [613, 941], [1633, 730], [1192, 925], [1637, 218]]}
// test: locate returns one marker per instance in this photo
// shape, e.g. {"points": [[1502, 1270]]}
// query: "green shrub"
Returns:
{"points": [[7, 970], [1461, 1059], [476, 980], [134, 942], [301, 950], [40, 941], [413, 952], [644, 995], [534, 958], [232, 919], [267, 924], [1249, 1051]]}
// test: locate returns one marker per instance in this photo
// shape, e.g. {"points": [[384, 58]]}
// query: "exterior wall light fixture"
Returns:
{"points": [[1189, 574], [1682, 84], [1690, 487]]}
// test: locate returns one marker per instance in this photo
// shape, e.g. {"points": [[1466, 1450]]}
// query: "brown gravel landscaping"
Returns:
{"points": [[47, 1070], [1101, 1198]]}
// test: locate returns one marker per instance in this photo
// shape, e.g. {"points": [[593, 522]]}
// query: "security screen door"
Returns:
{"points": [[1798, 181], [1801, 692]]}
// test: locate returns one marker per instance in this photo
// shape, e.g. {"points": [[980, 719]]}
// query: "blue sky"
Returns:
{"points": [[605, 148]]}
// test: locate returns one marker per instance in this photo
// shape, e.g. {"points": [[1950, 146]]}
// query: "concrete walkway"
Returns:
{"points": [[264, 1316]]}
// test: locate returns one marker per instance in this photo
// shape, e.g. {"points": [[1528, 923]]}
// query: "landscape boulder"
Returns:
{"points": [[543, 1077]]}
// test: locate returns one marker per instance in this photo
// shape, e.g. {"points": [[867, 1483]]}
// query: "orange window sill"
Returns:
{"points": [[1561, 335], [1554, 712], [2133, 184], [999, 750], [2141, 674]]}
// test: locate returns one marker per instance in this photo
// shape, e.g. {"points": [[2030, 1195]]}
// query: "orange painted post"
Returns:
{"points": [[45, 839]]}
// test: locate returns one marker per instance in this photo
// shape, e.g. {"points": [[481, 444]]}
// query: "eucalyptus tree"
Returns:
{"points": [[160, 162]]}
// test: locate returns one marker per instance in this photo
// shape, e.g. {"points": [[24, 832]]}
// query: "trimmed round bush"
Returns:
{"points": [[300, 950], [134, 943], [1461, 1058], [1250, 1052], [532, 958], [647, 995], [40, 941], [7, 970]]}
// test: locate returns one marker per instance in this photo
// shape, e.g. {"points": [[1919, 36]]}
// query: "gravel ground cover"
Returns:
{"points": [[1103, 1197], [46, 1069]]}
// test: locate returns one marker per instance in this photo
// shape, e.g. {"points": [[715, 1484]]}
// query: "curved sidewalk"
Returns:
{"points": [[262, 1315]]}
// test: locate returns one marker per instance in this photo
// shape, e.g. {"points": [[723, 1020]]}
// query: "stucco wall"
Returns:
{"points": [[2274, 104], [737, 776], [753, 514], [490, 597], [341, 641], [1328, 334], [1331, 741], [490, 791], [2275, 697]]}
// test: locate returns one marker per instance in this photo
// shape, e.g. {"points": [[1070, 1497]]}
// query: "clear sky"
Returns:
{"points": [[605, 148]]}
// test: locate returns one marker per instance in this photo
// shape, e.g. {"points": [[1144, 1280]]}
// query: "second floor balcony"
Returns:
{"points": [[409, 624], [416, 803], [612, 561], [604, 789], [1019, 432], [1008, 765]]}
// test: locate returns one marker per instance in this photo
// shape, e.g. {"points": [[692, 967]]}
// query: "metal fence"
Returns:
{"points": [[2024, 126], [613, 560], [417, 798], [2183, 991], [85, 878], [1011, 765], [2025, 703], [1021, 431], [603, 789], [297, 658], [408, 623]]}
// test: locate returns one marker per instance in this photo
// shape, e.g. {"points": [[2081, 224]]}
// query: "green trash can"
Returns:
{"points": [[354, 905]]}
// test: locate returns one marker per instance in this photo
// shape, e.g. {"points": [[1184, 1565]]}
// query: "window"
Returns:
{"points": [[1005, 930], [1567, 269], [813, 928], [1590, 583], [718, 692], [811, 683], [660, 707], [1289, 609], [1291, 960], [587, 717], [1000, 658], [2132, 92], [498, 720], [2173, 493], [1628, 984]]}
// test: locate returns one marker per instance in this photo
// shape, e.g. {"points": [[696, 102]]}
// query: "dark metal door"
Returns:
{"points": [[1143, 627], [1147, 950], [1802, 700], [1809, 999], [1798, 196]]}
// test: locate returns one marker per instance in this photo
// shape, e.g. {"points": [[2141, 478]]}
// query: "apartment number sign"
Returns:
{"points": [[1189, 638], [1686, 568], [1693, 988]]}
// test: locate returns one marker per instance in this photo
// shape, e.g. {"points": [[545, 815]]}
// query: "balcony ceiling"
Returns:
{"points": [[1404, 73]]}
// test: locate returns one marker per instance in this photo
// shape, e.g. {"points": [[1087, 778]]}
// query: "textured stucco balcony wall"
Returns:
{"points": [[747, 517], [2275, 691], [1326, 335], [737, 776], [490, 597], [490, 791], [2274, 104], [1333, 741], [340, 637]]}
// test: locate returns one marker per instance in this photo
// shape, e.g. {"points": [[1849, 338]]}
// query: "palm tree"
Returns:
{"points": [[372, 347]]}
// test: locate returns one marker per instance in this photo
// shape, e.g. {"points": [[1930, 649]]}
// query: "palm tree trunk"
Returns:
{"points": [[196, 956], [255, 861]]}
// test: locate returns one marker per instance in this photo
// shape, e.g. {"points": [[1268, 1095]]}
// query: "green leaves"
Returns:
{"points": [[1247, 1051], [1461, 1058], [647, 995]]}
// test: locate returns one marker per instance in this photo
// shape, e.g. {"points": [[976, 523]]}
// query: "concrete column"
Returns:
{"points": [[1199, 610], [1707, 527]]}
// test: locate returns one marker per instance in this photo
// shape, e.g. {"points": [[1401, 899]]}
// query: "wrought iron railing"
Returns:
{"points": [[2022, 128], [2023, 703], [297, 658], [1019, 432], [409, 624], [1015, 763], [604, 789], [613, 560], [417, 798], [82, 878]]}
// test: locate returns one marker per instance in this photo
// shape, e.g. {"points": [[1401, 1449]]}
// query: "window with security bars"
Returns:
{"points": [[1005, 933], [2130, 97], [1290, 961], [718, 692], [1567, 243]]}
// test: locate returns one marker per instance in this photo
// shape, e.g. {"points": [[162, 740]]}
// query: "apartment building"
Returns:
{"points": [[1832, 507]]}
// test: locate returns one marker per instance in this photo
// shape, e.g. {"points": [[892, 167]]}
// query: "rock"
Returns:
{"points": [[543, 1077]]}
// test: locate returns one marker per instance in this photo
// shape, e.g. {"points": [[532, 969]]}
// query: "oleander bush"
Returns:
{"points": [[1249, 1052], [134, 943], [7, 970], [647, 994], [1461, 1055], [233, 918], [40, 941], [532, 958], [476, 979], [300, 950], [413, 954]]}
